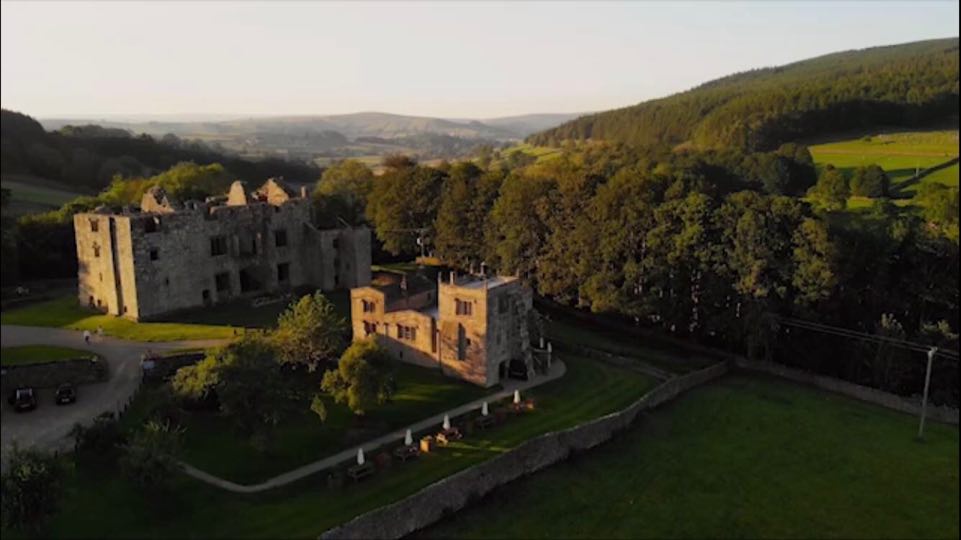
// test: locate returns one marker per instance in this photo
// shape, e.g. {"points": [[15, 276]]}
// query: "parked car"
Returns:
{"points": [[66, 394], [23, 399]]}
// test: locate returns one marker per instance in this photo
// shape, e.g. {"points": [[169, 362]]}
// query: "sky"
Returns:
{"points": [[454, 59]]}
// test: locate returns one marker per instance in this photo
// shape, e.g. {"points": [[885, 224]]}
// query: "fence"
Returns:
{"points": [[457, 491]]}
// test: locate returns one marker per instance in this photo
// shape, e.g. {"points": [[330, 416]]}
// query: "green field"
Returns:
{"points": [[191, 509], [899, 154], [745, 457], [38, 354]]}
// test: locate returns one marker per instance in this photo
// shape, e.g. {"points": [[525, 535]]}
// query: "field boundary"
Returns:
{"points": [[461, 489], [887, 400]]}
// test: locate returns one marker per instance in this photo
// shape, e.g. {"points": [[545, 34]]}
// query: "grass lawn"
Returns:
{"points": [[102, 504], [742, 457], [222, 321], [300, 440], [38, 354], [66, 313]]}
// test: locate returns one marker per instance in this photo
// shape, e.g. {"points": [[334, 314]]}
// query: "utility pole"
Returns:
{"points": [[924, 399]]}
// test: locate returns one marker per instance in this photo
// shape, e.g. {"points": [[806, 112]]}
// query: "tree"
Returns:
{"points": [[458, 235], [252, 390], [403, 205], [31, 488], [150, 458], [832, 190], [870, 181], [342, 192], [8, 241], [310, 331], [362, 379]]}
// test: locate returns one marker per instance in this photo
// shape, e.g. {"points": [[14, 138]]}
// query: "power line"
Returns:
{"points": [[853, 334]]}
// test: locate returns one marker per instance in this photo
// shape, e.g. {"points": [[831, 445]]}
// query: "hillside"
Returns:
{"points": [[913, 84]]}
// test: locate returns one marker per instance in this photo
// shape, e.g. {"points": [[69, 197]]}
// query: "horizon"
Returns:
{"points": [[268, 60]]}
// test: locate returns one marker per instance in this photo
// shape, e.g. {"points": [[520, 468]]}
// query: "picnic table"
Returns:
{"points": [[358, 472]]}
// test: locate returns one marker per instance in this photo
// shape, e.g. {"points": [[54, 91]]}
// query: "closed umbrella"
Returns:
{"points": [[484, 411], [446, 422], [360, 456], [408, 438], [517, 397]]}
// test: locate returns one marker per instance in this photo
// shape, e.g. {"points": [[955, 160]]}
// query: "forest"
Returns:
{"points": [[913, 84]]}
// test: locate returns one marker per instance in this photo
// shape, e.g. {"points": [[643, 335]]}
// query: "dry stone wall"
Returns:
{"points": [[53, 374], [457, 491], [910, 405]]}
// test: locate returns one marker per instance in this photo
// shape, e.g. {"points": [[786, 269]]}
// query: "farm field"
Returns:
{"points": [[32, 194], [899, 154], [742, 457], [38, 354]]}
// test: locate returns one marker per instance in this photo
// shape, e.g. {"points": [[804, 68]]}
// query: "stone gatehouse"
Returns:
{"points": [[471, 327], [165, 256]]}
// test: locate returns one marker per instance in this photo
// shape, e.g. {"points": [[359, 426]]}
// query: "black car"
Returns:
{"points": [[66, 394], [23, 399]]}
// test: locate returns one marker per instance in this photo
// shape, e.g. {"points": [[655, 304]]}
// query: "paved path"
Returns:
{"points": [[557, 370], [48, 426]]}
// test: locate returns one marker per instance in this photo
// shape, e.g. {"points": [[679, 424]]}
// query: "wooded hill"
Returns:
{"points": [[913, 84]]}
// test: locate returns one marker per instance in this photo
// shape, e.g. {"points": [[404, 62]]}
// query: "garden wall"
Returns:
{"points": [[863, 393], [459, 490], [53, 374]]}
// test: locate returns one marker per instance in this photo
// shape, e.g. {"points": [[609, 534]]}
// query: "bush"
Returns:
{"points": [[31, 488]]}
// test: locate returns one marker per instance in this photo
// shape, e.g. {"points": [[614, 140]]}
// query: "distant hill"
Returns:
{"points": [[914, 84], [314, 137]]}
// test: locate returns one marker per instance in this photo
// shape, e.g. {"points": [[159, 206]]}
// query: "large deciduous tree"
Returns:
{"points": [[362, 379], [310, 331]]}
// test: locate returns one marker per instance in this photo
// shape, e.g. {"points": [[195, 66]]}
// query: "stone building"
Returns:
{"points": [[166, 256], [471, 327]]}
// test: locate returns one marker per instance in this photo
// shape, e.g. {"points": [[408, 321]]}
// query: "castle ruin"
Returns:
{"points": [[165, 256]]}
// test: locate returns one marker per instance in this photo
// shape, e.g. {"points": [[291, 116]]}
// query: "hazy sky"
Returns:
{"points": [[456, 59]]}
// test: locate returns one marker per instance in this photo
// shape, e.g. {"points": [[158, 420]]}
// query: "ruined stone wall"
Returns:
{"points": [[507, 339], [166, 262], [457, 491]]}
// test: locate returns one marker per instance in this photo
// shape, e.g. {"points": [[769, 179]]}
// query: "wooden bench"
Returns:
{"points": [[358, 472], [484, 422], [405, 452]]}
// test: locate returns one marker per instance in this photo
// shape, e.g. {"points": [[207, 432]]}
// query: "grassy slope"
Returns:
{"points": [[307, 508], [744, 457], [34, 194], [38, 354]]}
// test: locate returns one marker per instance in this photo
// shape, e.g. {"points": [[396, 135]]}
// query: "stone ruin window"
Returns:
{"points": [[222, 282], [218, 246], [463, 307], [335, 243], [369, 306], [151, 225], [280, 237], [370, 328], [96, 251], [94, 225], [154, 254], [283, 272]]}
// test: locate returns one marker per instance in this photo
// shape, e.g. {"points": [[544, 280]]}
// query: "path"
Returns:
{"points": [[557, 370], [47, 427]]}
